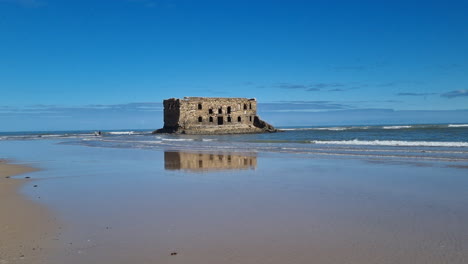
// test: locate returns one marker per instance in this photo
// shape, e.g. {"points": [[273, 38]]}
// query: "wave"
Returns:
{"points": [[324, 128], [120, 133], [386, 127], [391, 143], [396, 127], [177, 139]]}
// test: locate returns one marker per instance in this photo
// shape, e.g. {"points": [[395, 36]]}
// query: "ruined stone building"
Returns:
{"points": [[197, 162], [210, 115]]}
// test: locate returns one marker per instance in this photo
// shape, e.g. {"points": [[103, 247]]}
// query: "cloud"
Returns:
{"points": [[415, 94], [41, 109], [25, 3], [456, 93], [314, 87], [302, 106]]}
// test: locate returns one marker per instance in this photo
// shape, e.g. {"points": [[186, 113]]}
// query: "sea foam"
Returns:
{"points": [[391, 143], [121, 133]]}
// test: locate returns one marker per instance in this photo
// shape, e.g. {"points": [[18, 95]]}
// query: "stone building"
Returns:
{"points": [[197, 162], [210, 115]]}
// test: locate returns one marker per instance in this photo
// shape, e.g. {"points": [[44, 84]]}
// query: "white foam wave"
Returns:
{"points": [[316, 128], [325, 128], [396, 127], [332, 128], [121, 133], [177, 139], [51, 136], [392, 143], [207, 139], [460, 125]]}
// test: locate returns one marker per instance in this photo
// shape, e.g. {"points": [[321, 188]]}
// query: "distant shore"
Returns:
{"points": [[26, 228]]}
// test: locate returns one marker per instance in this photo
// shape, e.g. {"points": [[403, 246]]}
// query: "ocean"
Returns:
{"points": [[342, 194], [445, 142]]}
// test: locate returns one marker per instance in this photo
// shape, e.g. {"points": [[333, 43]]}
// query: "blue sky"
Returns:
{"points": [[109, 64]]}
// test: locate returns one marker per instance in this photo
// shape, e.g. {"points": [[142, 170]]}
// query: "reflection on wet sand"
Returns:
{"points": [[208, 161]]}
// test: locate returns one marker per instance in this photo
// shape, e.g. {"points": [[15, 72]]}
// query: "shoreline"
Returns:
{"points": [[27, 229]]}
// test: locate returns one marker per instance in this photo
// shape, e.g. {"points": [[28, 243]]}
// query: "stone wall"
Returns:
{"points": [[209, 115]]}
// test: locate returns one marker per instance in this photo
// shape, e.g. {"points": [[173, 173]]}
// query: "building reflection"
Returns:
{"points": [[198, 162]]}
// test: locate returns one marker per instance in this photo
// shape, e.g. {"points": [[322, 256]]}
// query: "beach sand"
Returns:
{"points": [[119, 206], [27, 229]]}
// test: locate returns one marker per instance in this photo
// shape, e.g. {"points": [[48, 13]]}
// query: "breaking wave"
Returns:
{"points": [[177, 139], [391, 143], [396, 127], [121, 132]]}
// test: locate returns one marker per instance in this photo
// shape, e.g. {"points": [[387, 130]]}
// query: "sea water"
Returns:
{"points": [[381, 194], [448, 142]]}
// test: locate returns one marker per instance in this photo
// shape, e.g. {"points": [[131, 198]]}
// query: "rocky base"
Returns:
{"points": [[259, 126]]}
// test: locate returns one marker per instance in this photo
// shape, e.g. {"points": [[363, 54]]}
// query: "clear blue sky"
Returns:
{"points": [[109, 64]]}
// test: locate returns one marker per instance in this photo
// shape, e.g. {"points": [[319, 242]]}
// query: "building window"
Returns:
{"points": [[211, 119], [239, 119], [200, 119], [220, 110], [229, 110], [250, 106], [250, 118], [220, 120], [210, 111], [229, 119], [245, 106], [200, 107]]}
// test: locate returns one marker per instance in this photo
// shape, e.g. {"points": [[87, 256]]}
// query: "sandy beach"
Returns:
{"points": [[128, 205], [27, 229]]}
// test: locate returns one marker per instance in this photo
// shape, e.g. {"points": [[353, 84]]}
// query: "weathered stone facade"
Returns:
{"points": [[210, 115], [208, 162]]}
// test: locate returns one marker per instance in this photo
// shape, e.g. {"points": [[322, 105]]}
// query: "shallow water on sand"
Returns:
{"points": [[124, 205]]}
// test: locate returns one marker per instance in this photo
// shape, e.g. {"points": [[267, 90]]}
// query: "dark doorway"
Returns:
{"points": [[220, 120]]}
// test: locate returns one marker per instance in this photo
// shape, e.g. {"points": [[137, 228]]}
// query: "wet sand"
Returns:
{"points": [[135, 206], [26, 229]]}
